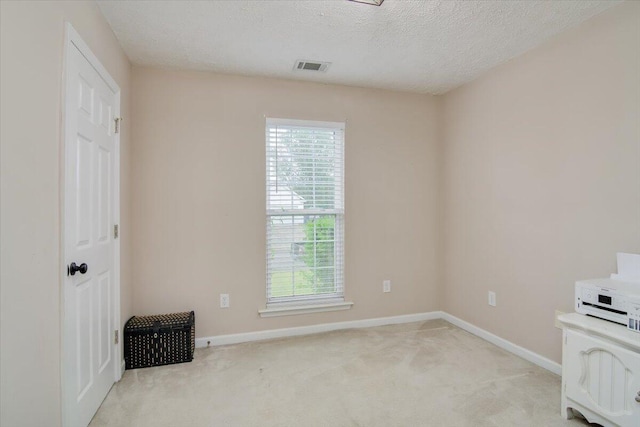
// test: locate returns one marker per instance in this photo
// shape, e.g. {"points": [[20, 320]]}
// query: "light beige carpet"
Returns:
{"points": [[417, 374]]}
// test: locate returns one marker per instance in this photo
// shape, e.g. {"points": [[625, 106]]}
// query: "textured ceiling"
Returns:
{"points": [[418, 46]]}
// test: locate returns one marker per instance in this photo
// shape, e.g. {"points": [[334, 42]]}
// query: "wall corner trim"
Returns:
{"points": [[522, 352]]}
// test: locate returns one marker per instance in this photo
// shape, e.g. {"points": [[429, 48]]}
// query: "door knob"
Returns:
{"points": [[82, 268]]}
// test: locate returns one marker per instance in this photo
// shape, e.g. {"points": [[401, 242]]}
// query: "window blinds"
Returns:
{"points": [[305, 211]]}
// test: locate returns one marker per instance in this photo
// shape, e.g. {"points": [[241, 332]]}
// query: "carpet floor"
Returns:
{"points": [[416, 374]]}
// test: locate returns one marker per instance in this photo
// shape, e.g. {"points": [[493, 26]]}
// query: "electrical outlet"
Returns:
{"points": [[386, 286], [492, 298], [224, 300], [557, 323]]}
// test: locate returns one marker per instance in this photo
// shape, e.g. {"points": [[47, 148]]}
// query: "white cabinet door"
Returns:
{"points": [[603, 377]]}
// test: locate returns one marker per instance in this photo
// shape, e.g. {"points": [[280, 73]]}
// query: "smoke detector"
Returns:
{"points": [[303, 65]]}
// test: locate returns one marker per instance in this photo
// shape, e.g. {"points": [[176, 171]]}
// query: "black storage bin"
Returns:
{"points": [[159, 340]]}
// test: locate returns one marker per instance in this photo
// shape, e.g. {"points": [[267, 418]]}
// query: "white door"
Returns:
{"points": [[90, 209]]}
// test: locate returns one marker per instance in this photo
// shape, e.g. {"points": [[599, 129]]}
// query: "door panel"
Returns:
{"points": [[83, 338], [104, 330], [106, 117], [85, 98], [104, 193], [84, 173]]}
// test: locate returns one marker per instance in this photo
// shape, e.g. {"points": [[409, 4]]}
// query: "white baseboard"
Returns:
{"points": [[529, 355], [314, 329], [122, 368]]}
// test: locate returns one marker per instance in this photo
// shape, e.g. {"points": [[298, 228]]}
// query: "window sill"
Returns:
{"points": [[289, 310]]}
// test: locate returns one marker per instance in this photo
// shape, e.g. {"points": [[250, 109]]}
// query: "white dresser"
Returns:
{"points": [[600, 371]]}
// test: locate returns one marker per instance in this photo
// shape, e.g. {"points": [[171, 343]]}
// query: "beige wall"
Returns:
{"points": [[32, 36], [199, 205], [542, 178]]}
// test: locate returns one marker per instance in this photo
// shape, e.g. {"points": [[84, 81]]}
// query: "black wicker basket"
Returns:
{"points": [[159, 340]]}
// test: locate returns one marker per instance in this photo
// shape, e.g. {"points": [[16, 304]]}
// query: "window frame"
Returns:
{"points": [[293, 304]]}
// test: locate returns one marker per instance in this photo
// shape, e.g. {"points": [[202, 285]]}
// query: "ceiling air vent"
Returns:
{"points": [[311, 66], [371, 2]]}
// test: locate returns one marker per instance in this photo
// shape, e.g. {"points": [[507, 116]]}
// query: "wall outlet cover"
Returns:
{"points": [[386, 286], [492, 298], [224, 300]]}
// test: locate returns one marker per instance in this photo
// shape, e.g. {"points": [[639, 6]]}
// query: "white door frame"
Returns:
{"points": [[74, 41]]}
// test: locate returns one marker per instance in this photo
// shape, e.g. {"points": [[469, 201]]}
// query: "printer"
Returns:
{"points": [[611, 299]]}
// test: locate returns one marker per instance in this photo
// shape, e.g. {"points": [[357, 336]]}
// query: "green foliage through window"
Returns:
{"points": [[319, 252]]}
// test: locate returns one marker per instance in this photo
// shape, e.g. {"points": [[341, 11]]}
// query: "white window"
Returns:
{"points": [[305, 212]]}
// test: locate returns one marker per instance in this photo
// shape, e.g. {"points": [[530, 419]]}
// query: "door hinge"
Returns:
{"points": [[116, 232], [118, 120], [116, 339]]}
